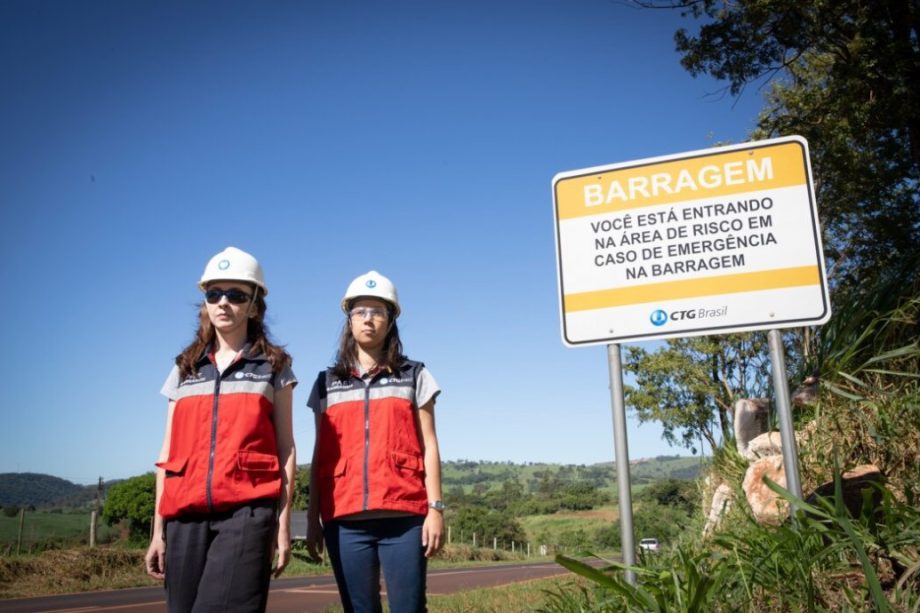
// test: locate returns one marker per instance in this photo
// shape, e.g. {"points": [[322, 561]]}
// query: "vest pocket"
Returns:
{"points": [[406, 485], [331, 471], [257, 462], [407, 462], [174, 467]]}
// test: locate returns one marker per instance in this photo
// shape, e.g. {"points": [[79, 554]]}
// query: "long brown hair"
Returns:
{"points": [[347, 356], [257, 336]]}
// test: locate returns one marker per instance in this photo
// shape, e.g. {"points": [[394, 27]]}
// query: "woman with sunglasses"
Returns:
{"points": [[375, 481], [225, 475]]}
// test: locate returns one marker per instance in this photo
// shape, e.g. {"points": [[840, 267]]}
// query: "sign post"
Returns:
{"points": [[783, 410], [714, 241], [621, 449]]}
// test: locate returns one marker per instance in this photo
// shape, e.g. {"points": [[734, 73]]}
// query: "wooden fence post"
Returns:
{"points": [[92, 528], [22, 517]]}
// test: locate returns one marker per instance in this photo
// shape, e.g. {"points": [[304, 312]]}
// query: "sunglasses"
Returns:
{"points": [[234, 296]]}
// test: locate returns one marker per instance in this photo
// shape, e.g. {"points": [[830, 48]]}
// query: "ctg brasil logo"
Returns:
{"points": [[658, 317]]}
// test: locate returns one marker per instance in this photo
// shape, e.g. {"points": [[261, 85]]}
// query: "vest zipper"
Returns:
{"points": [[214, 412], [367, 438]]}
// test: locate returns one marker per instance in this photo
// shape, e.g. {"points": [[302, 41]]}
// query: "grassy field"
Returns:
{"points": [[590, 521], [43, 530]]}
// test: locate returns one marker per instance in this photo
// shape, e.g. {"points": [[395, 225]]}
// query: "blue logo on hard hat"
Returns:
{"points": [[371, 283], [223, 264], [658, 317]]}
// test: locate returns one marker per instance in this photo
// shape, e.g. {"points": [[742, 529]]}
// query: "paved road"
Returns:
{"points": [[287, 594]]}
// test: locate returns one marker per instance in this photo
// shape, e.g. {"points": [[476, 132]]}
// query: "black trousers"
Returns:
{"points": [[220, 562]]}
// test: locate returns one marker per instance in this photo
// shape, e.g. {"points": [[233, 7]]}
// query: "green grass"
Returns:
{"points": [[524, 597], [43, 529], [602, 517]]}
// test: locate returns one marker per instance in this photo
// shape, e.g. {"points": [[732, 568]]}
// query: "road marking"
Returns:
{"points": [[98, 608]]}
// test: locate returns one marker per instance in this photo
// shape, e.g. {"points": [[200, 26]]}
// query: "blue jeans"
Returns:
{"points": [[358, 548]]}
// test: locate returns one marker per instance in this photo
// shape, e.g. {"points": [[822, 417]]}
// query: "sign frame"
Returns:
{"points": [[809, 250]]}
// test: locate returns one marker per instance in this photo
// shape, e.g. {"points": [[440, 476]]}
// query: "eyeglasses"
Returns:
{"points": [[368, 312], [234, 296]]}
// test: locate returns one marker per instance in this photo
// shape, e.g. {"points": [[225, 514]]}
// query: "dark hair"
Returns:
{"points": [[346, 357], [257, 336]]}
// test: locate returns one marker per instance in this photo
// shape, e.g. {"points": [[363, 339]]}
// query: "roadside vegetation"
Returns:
{"points": [[843, 75]]}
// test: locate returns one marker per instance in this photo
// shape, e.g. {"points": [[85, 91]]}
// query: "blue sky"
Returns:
{"points": [[327, 138]]}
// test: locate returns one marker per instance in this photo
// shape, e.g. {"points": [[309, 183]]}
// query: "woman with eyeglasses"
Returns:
{"points": [[375, 482], [225, 474]]}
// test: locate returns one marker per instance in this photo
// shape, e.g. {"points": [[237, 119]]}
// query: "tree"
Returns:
{"points": [[671, 493], [581, 496], [690, 384], [487, 524], [845, 74], [301, 488], [132, 501]]}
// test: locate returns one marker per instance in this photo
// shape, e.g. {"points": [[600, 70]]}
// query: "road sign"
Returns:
{"points": [[705, 242]]}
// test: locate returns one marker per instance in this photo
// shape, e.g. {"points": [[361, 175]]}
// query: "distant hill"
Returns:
{"points": [[491, 475], [39, 490]]}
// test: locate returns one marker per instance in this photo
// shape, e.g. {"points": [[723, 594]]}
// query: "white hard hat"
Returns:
{"points": [[372, 285], [233, 264]]}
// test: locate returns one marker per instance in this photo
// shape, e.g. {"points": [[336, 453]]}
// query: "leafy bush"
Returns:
{"points": [[132, 501]]}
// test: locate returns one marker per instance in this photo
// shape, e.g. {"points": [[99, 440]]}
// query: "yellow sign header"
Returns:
{"points": [[675, 180]]}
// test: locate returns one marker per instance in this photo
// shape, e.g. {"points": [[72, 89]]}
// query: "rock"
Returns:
{"points": [[750, 420], [767, 444], [858, 487], [771, 443], [806, 393], [721, 503], [767, 506]]}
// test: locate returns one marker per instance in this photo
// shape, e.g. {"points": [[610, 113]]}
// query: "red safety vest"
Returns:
{"points": [[369, 452], [222, 450]]}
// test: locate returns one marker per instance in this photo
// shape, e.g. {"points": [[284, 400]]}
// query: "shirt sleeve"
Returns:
{"points": [[317, 399], [426, 388], [284, 378], [170, 387]]}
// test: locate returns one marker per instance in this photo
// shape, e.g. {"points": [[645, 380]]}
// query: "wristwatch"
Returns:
{"points": [[437, 505]]}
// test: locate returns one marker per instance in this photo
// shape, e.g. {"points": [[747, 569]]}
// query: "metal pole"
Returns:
{"points": [[786, 430], [622, 459]]}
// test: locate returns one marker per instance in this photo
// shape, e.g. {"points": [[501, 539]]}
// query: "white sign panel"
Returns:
{"points": [[705, 242]]}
